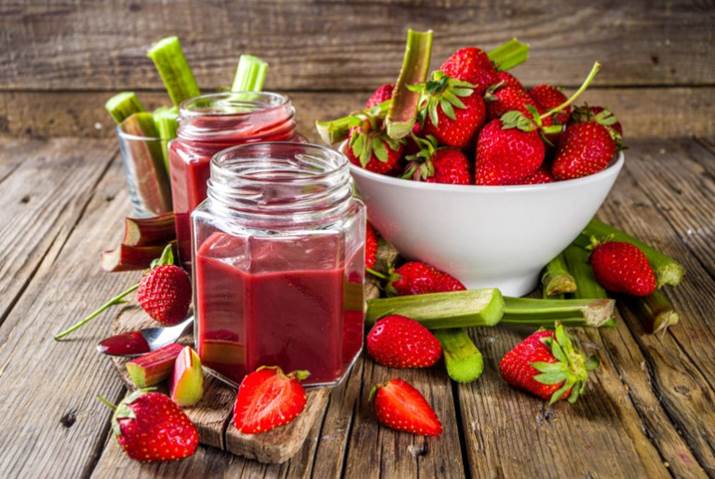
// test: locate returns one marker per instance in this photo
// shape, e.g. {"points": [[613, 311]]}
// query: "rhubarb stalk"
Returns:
{"points": [[487, 307], [509, 54], [157, 230], [415, 66], [667, 269], [656, 312], [462, 358], [586, 285], [123, 105], [556, 279], [166, 121], [131, 258], [174, 70], [154, 367], [250, 74]]}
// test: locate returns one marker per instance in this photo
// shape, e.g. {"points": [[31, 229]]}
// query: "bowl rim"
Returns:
{"points": [[613, 169]]}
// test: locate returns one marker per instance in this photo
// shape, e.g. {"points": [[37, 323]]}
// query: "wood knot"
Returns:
{"points": [[69, 418]]}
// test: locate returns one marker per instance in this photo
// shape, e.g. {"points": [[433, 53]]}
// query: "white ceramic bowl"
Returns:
{"points": [[486, 236]]}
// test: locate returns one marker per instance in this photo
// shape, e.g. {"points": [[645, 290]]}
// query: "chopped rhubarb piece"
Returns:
{"points": [[130, 258], [123, 105], [151, 369], [154, 231], [166, 122], [250, 74], [169, 59], [187, 383]]}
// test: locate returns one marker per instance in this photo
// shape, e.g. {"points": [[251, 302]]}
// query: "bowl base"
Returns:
{"points": [[520, 286]]}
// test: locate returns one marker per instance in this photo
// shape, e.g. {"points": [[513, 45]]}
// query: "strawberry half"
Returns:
{"points": [[416, 277], [548, 365], [623, 268], [268, 398], [151, 427], [165, 294], [399, 342], [400, 406]]}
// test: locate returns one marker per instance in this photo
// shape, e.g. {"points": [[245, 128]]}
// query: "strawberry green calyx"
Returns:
{"points": [[556, 278], [509, 54], [333, 131], [570, 369], [250, 74], [420, 165], [415, 66], [166, 256], [604, 117], [369, 140], [442, 92], [174, 70], [667, 269]]}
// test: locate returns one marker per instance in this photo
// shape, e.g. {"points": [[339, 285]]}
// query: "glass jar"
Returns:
{"points": [[209, 124], [279, 260]]}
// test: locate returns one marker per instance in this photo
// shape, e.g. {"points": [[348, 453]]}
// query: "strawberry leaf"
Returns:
{"points": [[379, 148], [447, 109], [558, 393], [551, 378]]}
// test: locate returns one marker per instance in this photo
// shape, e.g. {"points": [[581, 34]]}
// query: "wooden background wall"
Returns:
{"points": [[59, 60]]}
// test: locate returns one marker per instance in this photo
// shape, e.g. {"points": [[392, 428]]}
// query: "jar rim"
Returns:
{"points": [[264, 101]]}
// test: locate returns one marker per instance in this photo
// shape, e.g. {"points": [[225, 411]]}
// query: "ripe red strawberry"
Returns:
{"points": [[383, 92], [467, 64], [507, 79], [623, 268], [399, 342], [507, 154], [548, 97], [548, 365], [508, 98], [268, 398], [452, 109], [398, 405], [541, 176], [165, 294], [438, 165], [584, 149], [600, 115], [416, 277], [151, 427], [370, 147], [370, 247]]}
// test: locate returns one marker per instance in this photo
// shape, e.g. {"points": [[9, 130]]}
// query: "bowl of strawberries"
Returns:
{"points": [[488, 179]]}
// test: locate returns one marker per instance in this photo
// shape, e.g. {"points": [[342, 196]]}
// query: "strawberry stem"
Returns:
{"points": [[376, 274], [118, 299], [107, 402], [591, 75]]}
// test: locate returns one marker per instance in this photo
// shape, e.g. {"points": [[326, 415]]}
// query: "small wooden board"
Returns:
{"points": [[212, 416]]}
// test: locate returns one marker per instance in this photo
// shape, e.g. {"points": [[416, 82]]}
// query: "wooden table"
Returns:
{"points": [[649, 410]]}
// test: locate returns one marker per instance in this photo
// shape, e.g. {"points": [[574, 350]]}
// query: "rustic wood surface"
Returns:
{"points": [[648, 412]]}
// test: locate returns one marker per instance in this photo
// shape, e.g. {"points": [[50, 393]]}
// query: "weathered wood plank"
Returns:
{"points": [[376, 451], [45, 186], [48, 403], [679, 364], [644, 112], [334, 45], [511, 434]]}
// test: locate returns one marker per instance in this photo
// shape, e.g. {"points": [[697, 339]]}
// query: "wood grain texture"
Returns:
{"points": [[644, 112], [319, 45], [48, 388]]}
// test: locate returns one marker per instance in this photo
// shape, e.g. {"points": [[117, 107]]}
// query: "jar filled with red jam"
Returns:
{"points": [[209, 124], [278, 258]]}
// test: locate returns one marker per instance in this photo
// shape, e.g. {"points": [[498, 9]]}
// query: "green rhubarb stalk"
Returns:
{"points": [[505, 56], [123, 105], [586, 285], [250, 74], [415, 66], [174, 70], [556, 279], [462, 359], [656, 312], [509, 54], [667, 269], [166, 121], [487, 307]]}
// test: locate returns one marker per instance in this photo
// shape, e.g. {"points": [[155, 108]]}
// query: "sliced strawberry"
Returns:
{"points": [[268, 398], [400, 406]]}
